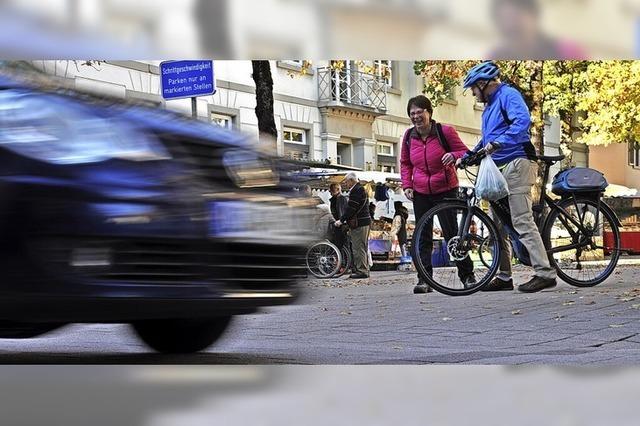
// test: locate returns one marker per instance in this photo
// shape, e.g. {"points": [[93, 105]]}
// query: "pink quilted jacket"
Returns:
{"points": [[421, 168]]}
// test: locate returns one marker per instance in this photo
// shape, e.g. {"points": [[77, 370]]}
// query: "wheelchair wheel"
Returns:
{"points": [[323, 259], [345, 265]]}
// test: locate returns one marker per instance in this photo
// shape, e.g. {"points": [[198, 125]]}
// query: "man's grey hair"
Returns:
{"points": [[351, 176]]}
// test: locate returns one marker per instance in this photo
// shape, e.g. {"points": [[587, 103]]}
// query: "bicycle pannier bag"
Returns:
{"points": [[578, 179]]}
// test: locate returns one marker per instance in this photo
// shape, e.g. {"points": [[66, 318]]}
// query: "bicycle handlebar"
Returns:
{"points": [[472, 159]]}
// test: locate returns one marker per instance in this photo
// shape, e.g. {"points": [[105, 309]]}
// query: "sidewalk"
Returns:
{"points": [[380, 320]]}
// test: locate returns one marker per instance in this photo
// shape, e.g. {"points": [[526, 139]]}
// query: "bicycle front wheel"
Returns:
{"points": [[583, 241], [456, 263]]}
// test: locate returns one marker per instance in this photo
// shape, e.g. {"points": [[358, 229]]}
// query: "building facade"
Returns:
{"points": [[620, 163], [351, 113]]}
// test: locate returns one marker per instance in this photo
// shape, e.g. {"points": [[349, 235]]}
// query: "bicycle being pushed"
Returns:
{"points": [[580, 232]]}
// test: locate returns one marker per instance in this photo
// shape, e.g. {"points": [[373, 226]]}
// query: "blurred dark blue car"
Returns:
{"points": [[120, 213]]}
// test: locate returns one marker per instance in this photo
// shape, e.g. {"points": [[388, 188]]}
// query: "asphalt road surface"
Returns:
{"points": [[380, 321]]}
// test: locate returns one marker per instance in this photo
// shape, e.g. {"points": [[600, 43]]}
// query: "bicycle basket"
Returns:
{"points": [[578, 179]]}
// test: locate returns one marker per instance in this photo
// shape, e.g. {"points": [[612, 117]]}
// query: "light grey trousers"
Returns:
{"points": [[521, 175]]}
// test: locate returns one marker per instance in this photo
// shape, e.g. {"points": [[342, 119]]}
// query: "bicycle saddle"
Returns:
{"points": [[551, 158]]}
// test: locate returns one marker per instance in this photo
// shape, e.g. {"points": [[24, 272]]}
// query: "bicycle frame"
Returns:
{"points": [[502, 211]]}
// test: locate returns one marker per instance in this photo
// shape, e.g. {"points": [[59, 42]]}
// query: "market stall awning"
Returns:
{"points": [[614, 190]]}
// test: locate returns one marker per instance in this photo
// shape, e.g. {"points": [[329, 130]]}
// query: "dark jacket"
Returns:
{"points": [[402, 232], [358, 206], [338, 206]]}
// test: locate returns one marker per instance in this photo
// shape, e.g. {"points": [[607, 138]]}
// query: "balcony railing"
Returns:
{"points": [[351, 87]]}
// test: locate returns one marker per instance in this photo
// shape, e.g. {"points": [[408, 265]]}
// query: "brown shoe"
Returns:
{"points": [[537, 284], [497, 284]]}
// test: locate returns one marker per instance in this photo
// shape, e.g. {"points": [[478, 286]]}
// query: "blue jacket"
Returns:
{"points": [[511, 137]]}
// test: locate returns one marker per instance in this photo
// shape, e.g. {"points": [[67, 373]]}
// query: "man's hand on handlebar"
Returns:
{"points": [[471, 159], [491, 148]]}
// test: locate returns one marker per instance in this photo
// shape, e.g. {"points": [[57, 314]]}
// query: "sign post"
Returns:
{"points": [[187, 79]]}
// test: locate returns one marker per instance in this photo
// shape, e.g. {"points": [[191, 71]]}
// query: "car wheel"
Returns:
{"points": [[181, 336], [24, 330]]}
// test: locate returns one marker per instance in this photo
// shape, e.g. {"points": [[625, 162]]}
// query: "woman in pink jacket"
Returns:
{"points": [[429, 176]]}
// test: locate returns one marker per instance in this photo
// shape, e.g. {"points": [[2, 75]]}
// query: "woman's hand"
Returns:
{"points": [[409, 193], [448, 159]]}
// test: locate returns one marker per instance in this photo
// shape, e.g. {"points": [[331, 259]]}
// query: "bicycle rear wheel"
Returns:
{"points": [[323, 259], [484, 250], [583, 255], [445, 264]]}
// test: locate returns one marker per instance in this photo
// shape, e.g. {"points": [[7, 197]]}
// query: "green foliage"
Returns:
{"points": [[611, 99], [442, 77], [606, 92]]}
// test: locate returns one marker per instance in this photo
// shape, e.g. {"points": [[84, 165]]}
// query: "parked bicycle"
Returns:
{"points": [[579, 230]]}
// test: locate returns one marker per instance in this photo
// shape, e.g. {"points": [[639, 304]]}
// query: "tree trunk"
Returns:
{"points": [[537, 114], [264, 102]]}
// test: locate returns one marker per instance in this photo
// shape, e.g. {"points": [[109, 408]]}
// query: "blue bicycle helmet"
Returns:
{"points": [[485, 71]]}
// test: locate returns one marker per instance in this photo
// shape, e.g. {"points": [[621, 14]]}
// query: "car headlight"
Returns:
{"points": [[58, 130], [247, 170]]}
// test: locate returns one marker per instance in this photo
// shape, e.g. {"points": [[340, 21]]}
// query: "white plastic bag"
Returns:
{"points": [[490, 183]]}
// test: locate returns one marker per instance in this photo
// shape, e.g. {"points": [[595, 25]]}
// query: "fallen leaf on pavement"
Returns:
{"points": [[568, 303], [516, 312], [572, 292], [636, 306], [558, 317], [325, 309], [446, 319]]}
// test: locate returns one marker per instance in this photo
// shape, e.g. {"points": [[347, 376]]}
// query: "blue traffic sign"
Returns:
{"points": [[186, 79]]}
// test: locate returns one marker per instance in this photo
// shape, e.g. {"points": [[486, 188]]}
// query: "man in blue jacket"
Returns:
{"points": [[505, 135]]}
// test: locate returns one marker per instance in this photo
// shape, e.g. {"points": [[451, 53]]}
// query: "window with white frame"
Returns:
{"points": [[634, 154], [224, 121], [385, 148], [382, 68], [387, 169], [292, 135]]}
